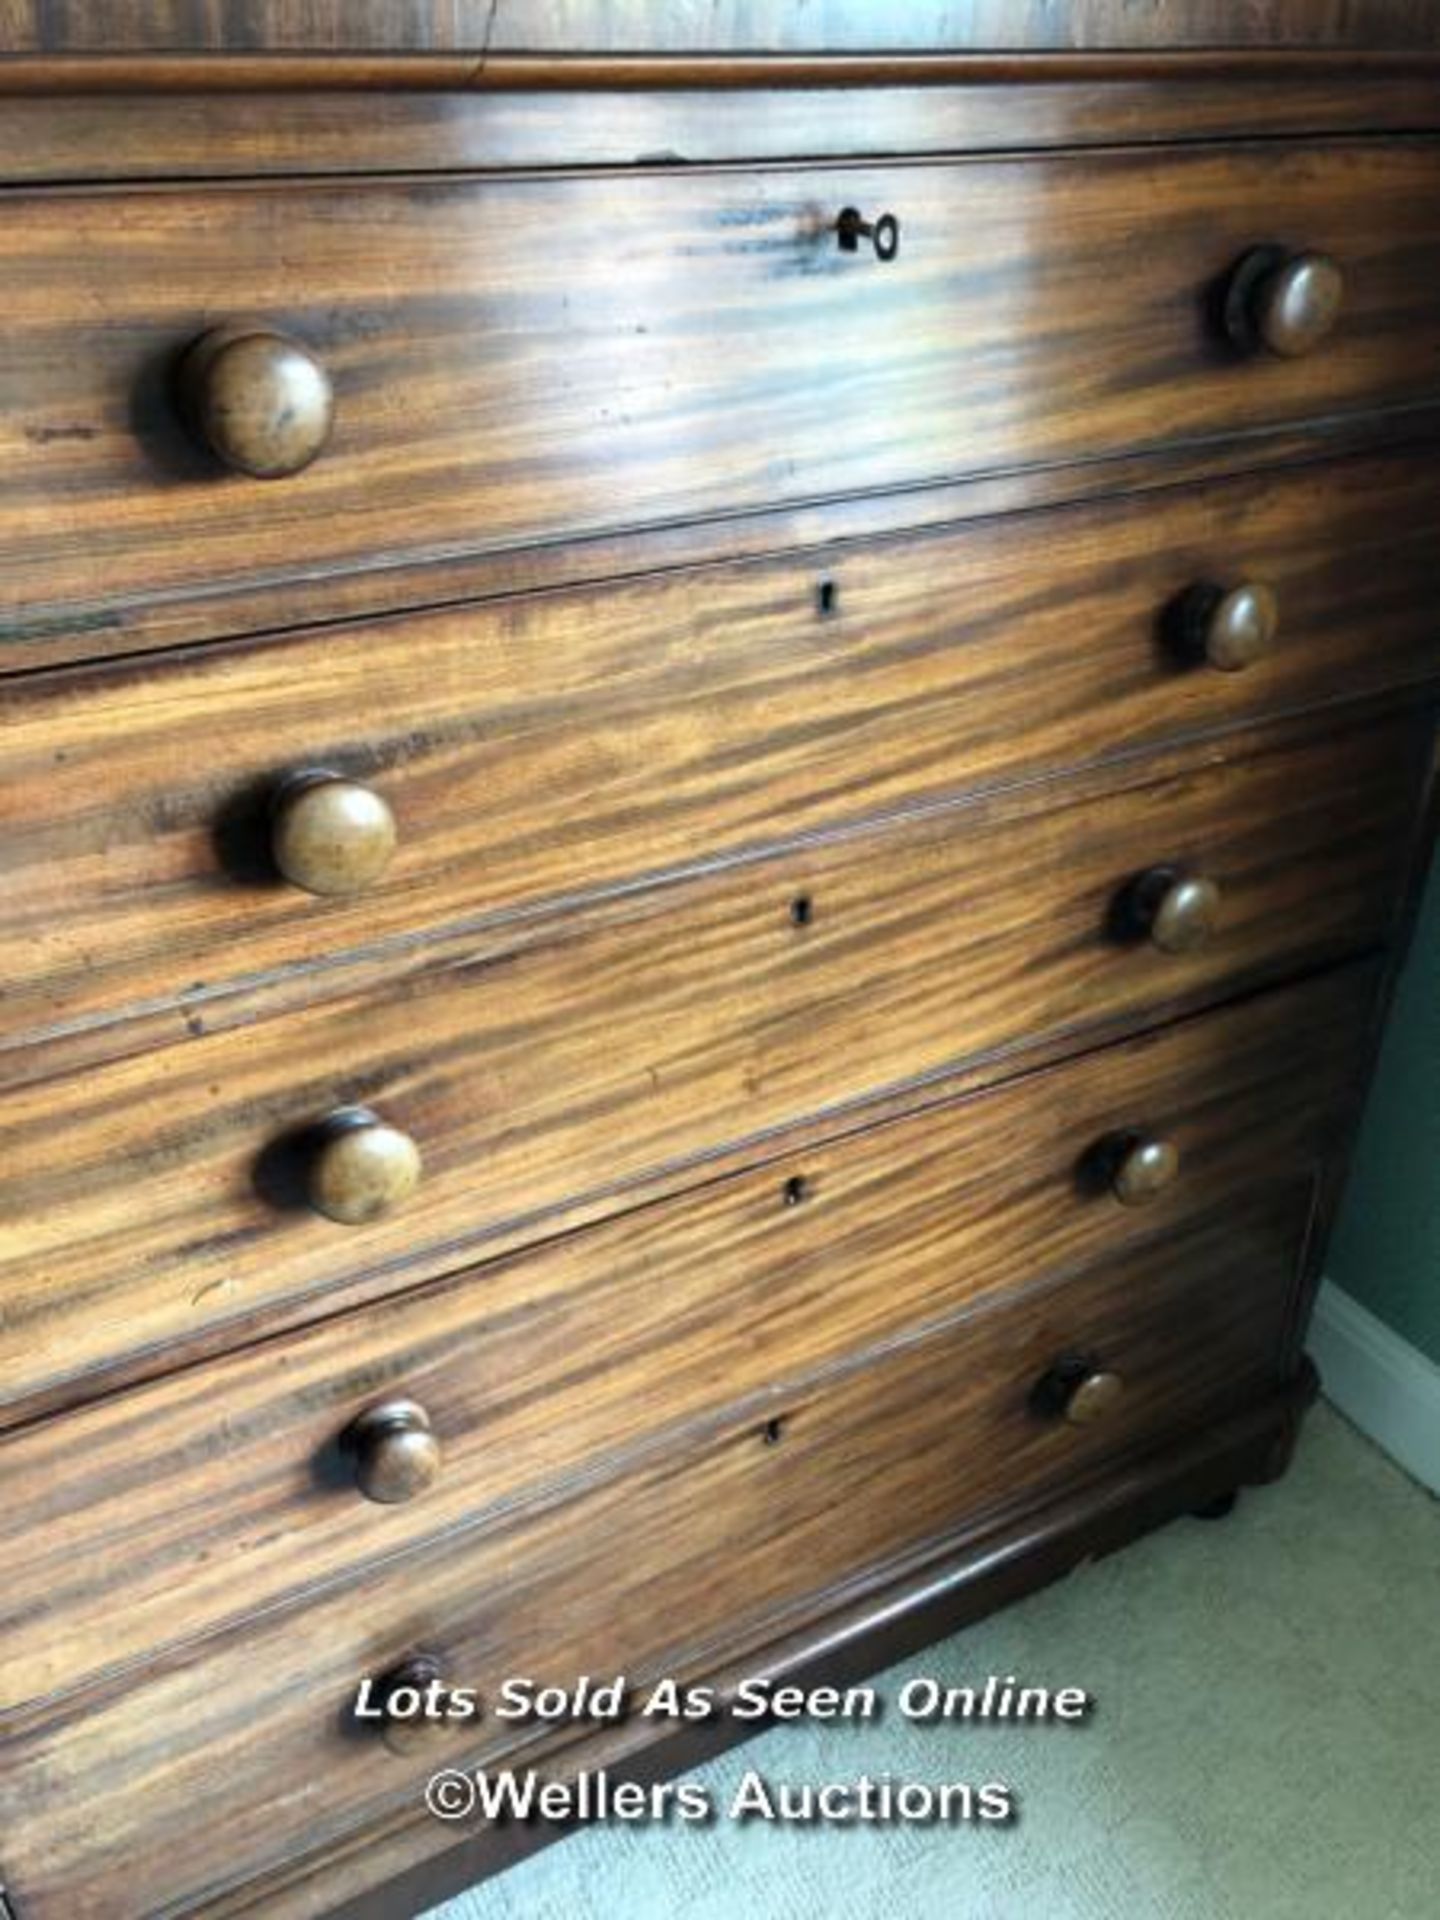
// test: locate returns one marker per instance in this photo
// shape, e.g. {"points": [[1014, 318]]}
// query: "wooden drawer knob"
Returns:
{"points": [[261, 402], [1144, 1167], [398, 1696], [1283, 303], [361, 1168], [1180, 911], [330, 835], [417, 1673], [1092, 1397], [396, 1453], [1078, 1389], [1231, 628]]}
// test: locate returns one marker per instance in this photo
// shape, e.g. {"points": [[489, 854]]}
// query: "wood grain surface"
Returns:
{"points": [[403, 1860], [771, 658], [223, 131], [672, 1568], [544, 1064], [539, 748], [485, 27], [772, 370], [557, 1363], [223, 610]]}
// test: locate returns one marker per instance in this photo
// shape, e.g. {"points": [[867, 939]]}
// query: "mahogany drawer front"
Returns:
{"points": [[693, 1556], [175, 1192], [515, 359], [534, 1368], [538, 748]]}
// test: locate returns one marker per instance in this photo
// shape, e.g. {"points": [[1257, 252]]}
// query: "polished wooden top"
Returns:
{"points": [[491, 27]]}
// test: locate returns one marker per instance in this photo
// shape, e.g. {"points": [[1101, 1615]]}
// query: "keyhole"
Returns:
{"points": [[773, 1432], [827, 598], [797, 1190], [802, 910]]}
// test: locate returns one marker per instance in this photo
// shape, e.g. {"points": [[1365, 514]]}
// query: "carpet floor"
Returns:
{"points": [[1264, 1743]]}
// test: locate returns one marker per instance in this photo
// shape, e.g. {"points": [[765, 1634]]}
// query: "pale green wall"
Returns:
{"points": [[1386, 1247]]}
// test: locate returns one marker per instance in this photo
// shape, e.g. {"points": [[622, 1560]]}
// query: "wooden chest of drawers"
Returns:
{"points": [[713, 757]]}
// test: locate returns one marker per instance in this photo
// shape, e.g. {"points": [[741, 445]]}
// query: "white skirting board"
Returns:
{"points": [[1388, 1388]]}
